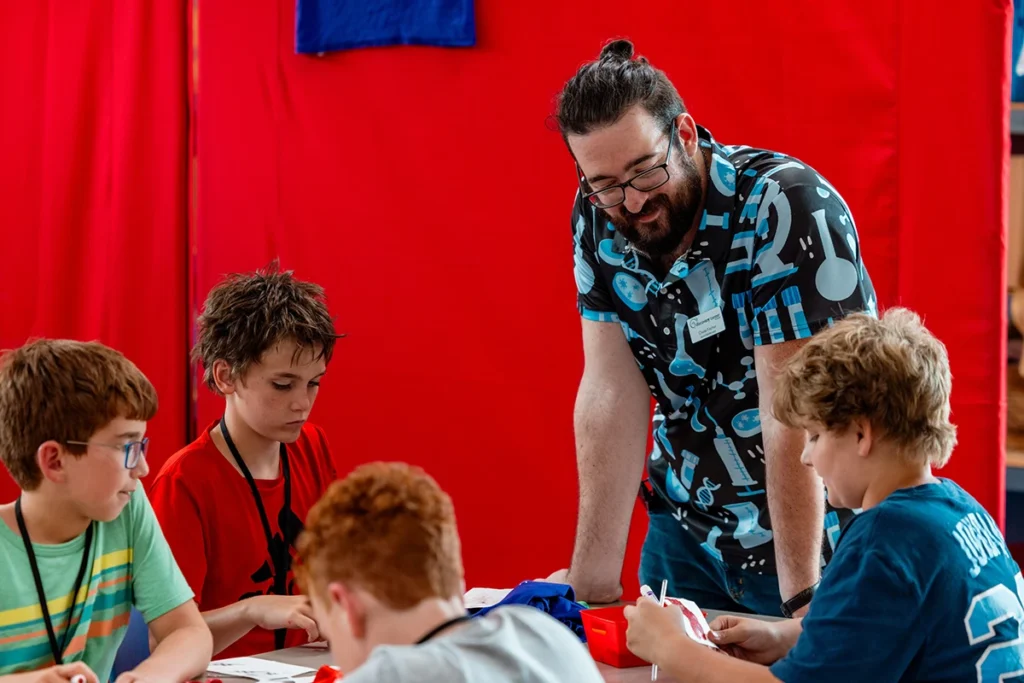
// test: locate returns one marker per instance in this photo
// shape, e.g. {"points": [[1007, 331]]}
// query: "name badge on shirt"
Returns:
{"points": [[706, 325]]}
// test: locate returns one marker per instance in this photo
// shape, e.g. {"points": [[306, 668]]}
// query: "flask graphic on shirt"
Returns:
{"points": [[741, 478], [749, 531], [675, 399], [709, 545], [661, 436], [739, 303], [683, 365], [678, 487], [695, 423], [791, 299]]}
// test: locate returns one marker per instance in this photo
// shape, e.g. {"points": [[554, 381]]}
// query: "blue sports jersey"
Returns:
{"points": [[921, 588]]}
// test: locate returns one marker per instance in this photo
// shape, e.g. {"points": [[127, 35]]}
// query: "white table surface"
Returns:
{"points": [[315, 657]]}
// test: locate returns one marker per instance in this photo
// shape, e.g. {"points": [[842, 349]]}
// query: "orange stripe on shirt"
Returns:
{"points": [[97, 629], [42, 632], [112, 582]]}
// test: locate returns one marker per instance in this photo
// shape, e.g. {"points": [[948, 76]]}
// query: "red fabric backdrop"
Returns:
{"points": [[379, 173], [92, 132]]}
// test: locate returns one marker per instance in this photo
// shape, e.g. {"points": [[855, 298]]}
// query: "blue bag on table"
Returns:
{"points": [[557, 599]]}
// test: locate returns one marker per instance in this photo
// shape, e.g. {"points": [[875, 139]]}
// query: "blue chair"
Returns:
{"points": [[135, 647]]}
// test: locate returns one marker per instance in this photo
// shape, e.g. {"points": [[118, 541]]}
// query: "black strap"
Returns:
{"points": [[443, 626], [57, 650], [277, 560]]}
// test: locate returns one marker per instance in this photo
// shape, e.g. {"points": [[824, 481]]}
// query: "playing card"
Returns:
{"points": [[695, 624]]}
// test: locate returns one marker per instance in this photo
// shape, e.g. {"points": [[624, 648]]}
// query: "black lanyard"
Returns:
{"points": [[278, 559], [58, 651], [442, 627]]}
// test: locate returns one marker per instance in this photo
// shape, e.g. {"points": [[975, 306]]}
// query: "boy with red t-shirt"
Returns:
{"points": [[232, 503]]}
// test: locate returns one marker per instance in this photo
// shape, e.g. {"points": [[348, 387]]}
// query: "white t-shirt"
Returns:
{"points": [[514, 643]]}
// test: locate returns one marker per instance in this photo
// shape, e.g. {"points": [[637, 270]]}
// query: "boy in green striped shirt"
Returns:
{"points": [[80, 546]]}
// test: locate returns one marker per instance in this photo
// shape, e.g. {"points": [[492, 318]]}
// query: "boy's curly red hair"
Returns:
{"points": [[388, 529]]}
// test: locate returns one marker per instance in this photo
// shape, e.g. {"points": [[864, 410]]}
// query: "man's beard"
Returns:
{"points": [[660, 238]]}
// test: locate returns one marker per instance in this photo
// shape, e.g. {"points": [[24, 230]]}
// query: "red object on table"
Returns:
{"points": [[326, 674], [606, 637]]}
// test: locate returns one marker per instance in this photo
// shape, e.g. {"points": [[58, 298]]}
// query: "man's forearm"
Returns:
{"points": [[797, 507], [611, 423], [181, 656]]}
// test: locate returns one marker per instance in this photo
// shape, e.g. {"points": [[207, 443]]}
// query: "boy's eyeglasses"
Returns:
{"points": [[133, 450]]}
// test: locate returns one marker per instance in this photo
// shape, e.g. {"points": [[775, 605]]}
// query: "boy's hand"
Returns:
{"points": [[750, 639], [283, 611], [63, 673], [652, 628], [131, 677]]}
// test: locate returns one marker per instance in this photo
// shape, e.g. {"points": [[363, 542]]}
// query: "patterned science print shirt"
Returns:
{"points": [[776, 259]]}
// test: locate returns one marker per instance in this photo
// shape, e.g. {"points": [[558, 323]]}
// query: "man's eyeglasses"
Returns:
{"points": [[133, 450], [651, 179]]}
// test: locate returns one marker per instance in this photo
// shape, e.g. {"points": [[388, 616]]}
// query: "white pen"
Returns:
{"points": [[661, 603], [78, 678]]}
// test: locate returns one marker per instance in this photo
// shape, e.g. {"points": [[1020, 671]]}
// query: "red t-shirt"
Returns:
{"points": [[207, 512]]}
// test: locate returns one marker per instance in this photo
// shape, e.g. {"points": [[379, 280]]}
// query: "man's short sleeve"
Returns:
{"points": [[807, 268], [592, 296]]}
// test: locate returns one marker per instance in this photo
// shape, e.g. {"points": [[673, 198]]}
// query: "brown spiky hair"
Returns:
{"points": [[247, 314]]}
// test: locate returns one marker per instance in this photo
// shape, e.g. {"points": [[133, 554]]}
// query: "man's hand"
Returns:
{"points": [[611, 422], [272, 612], [62, 673], [132, 677], [593, 595], [753, 640]]}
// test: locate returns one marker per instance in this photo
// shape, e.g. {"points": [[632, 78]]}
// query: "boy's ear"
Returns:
{"points": [[865, 436], [50, 460], [223, 377], [352, 604]]}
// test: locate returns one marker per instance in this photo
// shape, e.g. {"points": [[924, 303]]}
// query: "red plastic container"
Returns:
{"points": [[606, 637]]}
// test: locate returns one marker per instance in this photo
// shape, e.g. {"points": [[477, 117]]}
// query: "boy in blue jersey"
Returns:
{"points": [[921, 587]]}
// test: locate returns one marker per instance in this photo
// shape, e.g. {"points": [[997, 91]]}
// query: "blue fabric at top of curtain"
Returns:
{"points": [[325, 25], [1017, 58], [557, 599]]}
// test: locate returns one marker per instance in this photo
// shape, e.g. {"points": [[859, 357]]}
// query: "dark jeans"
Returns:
{"points": [[671, 553]]}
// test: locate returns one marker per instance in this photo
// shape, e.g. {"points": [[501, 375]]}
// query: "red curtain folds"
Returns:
{"points": [[92, 185], [381, 174]]}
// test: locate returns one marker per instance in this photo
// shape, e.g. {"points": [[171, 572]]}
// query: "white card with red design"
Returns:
{"points": [[694, 623]]}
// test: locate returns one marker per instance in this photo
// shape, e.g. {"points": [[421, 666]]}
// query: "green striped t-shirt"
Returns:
{"points": [[131, 564]]}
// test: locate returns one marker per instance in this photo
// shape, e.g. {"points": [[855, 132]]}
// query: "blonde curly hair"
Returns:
{"points": [[890, 371]]}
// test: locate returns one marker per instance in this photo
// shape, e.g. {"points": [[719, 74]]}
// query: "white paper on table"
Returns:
{"points": [[476, 598], [258, 669], [695, 624]]}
